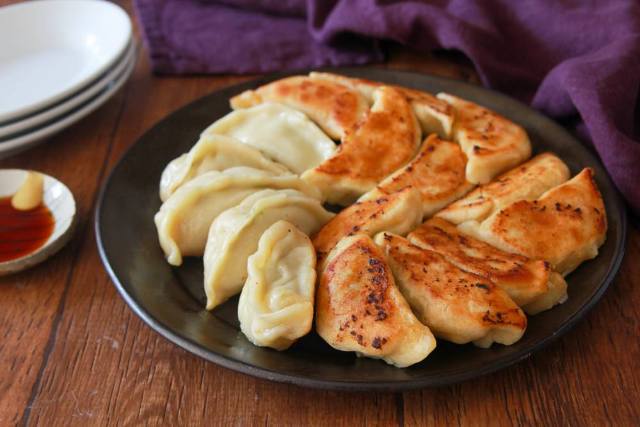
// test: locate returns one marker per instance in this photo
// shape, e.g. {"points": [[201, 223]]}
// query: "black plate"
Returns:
{"points": [[171, 300]]}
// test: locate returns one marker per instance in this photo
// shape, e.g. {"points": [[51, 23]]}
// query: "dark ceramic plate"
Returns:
{"points": [[171, 300]]}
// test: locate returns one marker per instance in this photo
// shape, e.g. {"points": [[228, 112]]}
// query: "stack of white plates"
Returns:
{"points": [[59, 61]]}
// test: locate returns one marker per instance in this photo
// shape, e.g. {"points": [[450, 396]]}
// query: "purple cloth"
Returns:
{"points": [[568, 59]]}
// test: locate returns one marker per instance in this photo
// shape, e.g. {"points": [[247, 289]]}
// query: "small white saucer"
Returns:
{"points": [[59, 200]]}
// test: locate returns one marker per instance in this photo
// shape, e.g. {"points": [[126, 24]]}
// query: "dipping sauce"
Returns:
{"points": [[23, 232]]}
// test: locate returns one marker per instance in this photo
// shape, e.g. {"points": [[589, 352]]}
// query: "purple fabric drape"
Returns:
{"points": [[568, 59]]}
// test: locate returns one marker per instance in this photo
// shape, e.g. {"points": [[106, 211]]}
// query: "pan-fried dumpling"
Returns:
{"points": [[492, 143], [184, 219], [385, 140], [282, 133], [398, 212], [565, 226], [276, 302], [532, 284], [234, 236], [434, 115], [458, 306], [525, 182], [437, 171], [334, 107], [360, 309], [213, 153]]}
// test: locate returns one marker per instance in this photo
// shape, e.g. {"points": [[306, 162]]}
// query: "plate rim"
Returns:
{"points": [[12, 146], [350, 385], [69, 103]]}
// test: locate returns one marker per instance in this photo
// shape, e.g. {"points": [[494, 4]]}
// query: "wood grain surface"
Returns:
{"points": [[73, 353]]}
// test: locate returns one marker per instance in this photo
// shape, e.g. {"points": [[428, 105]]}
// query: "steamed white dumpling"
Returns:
{"points": [[282, 133], [213, 153], [234, 236], [276, 302], [184, 219]]}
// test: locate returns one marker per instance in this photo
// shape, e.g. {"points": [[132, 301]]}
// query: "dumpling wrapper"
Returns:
{"points": [[276, 302], [438, 172], [398, 212], [359, 308], [183, 221], [235, 233], [458, 306], [532, 284], [282, 133], [213, 153], [565, 226], [385, 140], [492, 143], [525, 182], [334, 107], [434, 115]]}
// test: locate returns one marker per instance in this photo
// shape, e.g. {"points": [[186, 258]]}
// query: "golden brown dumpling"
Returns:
{"points": [[398, 212], [525, 182], [565, 226], [532, 284], [385, 140], [434, 115], [360, 309], [438, 172], [492, 143], [458, 306]]}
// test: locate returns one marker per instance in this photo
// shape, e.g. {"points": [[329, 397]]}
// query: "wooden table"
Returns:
{"points": [[73, 353]]}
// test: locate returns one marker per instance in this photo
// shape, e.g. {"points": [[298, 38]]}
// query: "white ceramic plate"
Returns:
{"points": [[14, 145], [33, 121], [50, 49], [58, 198]]}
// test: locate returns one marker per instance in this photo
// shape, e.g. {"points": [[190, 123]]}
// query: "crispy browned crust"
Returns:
{"points": [[565, 226], [438, 172], [527, 181], [491, 142], [334, 107], [524, 279], [456, 305], [434, 115], [385, 140], [358, 307], [399, 212]]}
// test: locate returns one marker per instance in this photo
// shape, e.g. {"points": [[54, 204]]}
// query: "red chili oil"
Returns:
{"points": [[23, 232]]}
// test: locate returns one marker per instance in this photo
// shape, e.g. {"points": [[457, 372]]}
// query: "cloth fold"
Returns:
{"points": [[567, 59]]}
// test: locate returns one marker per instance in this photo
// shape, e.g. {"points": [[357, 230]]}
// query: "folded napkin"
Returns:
{"points": [[571, 60]]}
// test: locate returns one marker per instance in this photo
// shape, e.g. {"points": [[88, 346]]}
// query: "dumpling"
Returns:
{"points": [[532, 284], [458, 306], [334, 107], [525, 182], [235, 233], [282, 133], [492, 143], [184, 219], [437, 171], [434, 115], [565, 226], [399, 212], [213, 153], [360, 309], [276, 302], [384, 141]]}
